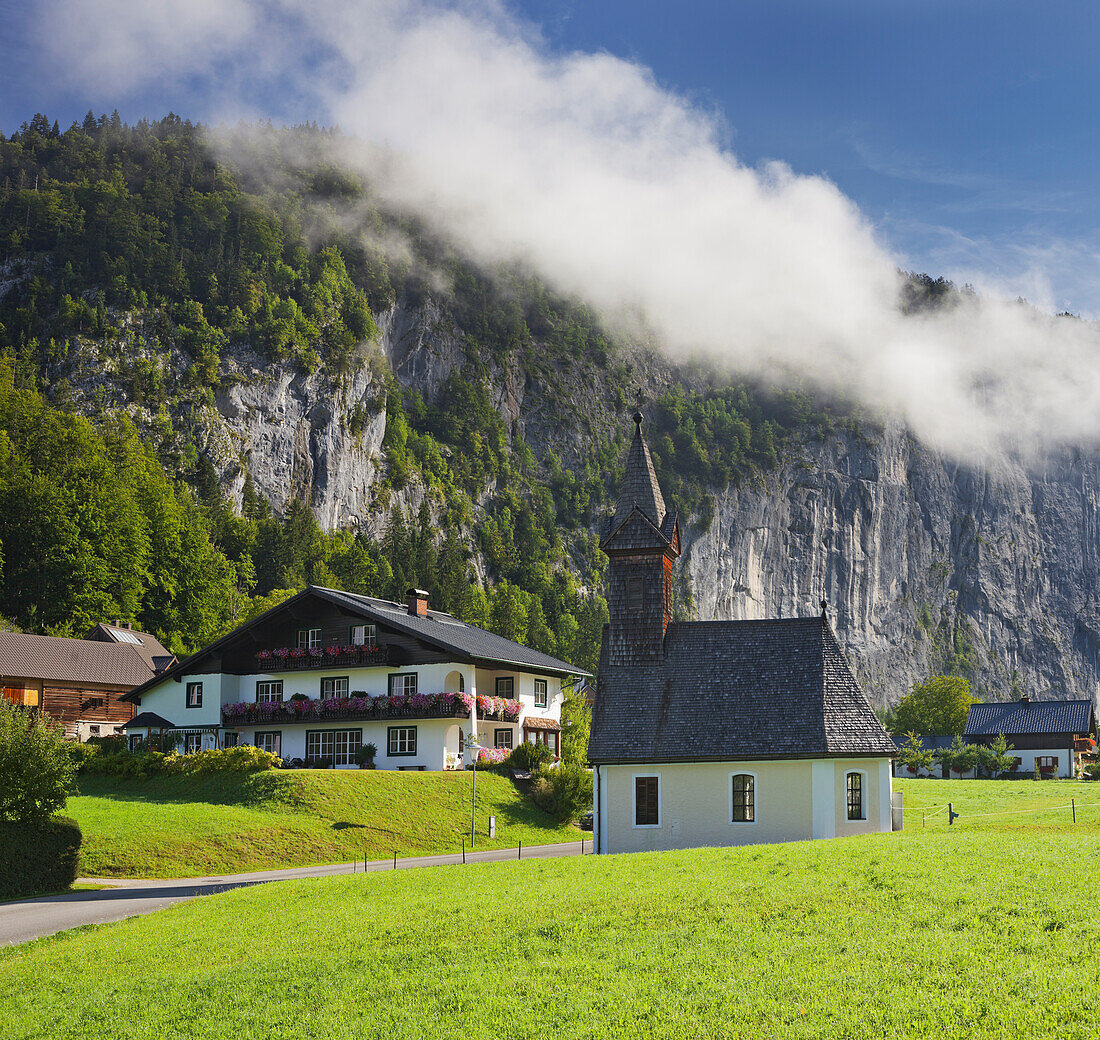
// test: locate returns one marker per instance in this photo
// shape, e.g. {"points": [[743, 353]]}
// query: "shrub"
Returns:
{"points": [[38, 857], [564, 793], [1092, 772], [36, 768], [143, 764], [244, 758], [531, 756], [365, 755]]}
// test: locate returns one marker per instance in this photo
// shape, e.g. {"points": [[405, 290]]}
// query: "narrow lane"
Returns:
{"points": [[29, 919]]}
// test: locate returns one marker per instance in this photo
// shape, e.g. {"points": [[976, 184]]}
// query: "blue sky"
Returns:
{"points": [[964, 131]]}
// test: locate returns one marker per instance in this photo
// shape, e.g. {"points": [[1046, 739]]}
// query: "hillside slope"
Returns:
{"points": [[183, 827]]}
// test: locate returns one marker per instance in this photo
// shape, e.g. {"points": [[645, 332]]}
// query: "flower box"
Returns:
{"points": [[361, 706]]}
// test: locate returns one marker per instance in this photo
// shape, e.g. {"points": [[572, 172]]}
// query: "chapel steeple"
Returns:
{"points": [[639, 486], [641, 540]]}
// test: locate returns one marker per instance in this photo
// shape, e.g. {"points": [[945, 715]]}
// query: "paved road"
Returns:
{"points": [[32, 918]]}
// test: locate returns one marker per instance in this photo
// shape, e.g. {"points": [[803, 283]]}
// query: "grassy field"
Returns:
{"points": [[981, 929], [184, 826]]}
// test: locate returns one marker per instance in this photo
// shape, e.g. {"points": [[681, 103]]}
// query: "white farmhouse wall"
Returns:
{"points": [[795, 800], [437, 739]]}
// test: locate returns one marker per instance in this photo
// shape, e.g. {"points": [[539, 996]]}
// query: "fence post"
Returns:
{"points": [[1073, 806], [395, 859], [464, 850], [520, 856], [951, 814]]}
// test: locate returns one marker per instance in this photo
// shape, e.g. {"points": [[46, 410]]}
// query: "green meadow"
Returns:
{"points": [[984, 928], [183, 826]]}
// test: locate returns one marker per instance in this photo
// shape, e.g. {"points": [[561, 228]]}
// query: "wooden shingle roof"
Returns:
{"points": [[735, 690], [639, 485]]}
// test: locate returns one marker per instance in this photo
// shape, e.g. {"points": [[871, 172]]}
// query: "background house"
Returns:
{"points": [[327, 671], [80, 682], [719, 732], [1049, 737]]}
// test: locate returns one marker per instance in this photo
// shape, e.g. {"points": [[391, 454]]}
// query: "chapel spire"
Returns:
{"points": [[641, 541], [639, 486]]}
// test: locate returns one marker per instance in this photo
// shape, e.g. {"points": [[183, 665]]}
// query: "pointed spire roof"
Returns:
{"points": [[639, 487]]}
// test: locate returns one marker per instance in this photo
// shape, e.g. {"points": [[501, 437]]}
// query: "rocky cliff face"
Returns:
{"points": [[924, 564]]}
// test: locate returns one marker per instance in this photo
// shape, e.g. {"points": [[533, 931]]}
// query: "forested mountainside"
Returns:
{"points": [[227, 372]]}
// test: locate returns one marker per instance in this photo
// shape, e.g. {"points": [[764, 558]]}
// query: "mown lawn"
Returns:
{"points": [[985, 929], [185, 826]]}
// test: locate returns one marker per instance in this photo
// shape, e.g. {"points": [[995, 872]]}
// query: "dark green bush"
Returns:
{"points": [[38, 857], [565, 793], [531, 756]]}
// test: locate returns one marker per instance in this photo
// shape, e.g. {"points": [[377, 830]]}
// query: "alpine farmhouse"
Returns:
{"points": [[326, 672], [719, 732]]}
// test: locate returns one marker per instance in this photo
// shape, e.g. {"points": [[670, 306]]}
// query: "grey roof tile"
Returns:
{"points": [[25, 655], [735, 690], [1015, 718]]}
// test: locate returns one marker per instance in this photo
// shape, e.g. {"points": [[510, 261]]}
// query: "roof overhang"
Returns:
{"points": [[670, 761]]}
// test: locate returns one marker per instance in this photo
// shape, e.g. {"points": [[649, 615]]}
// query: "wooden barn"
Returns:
{"points": [[80, 682]]}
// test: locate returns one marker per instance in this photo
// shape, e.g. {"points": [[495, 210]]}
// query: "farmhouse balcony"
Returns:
{"points": [[365, 708], [287, 659]]}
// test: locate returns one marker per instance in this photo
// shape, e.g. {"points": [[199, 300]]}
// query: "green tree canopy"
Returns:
{"points": [[939, 705]]}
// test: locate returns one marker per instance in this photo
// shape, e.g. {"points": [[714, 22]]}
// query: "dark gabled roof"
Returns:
{"points": [[24, 655], [1015, 718], [735, 690], [439, 630], [639, 486], [148, 720], [447, 633]]}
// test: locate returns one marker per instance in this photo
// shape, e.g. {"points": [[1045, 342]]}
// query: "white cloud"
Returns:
{"points": [[621, 192]]}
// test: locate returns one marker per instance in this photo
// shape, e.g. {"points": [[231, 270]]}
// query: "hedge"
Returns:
{"points": [[144, 764], [38, 858]]}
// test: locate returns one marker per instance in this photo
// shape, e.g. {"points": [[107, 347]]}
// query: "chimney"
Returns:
{"points": [[418, 602]]}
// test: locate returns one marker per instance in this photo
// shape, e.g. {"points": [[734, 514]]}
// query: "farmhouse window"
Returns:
{"points": [[135, 741], [337, 746], [855, 796], [192, 743], [194, 695], [308, 638], [365, 636], [401, 740], [270, 741], [334, 686], [502, 738], [231, 739], [403, 683], [540, 693], [744, 798], [646, 801], [1047, 761], [506, 686], [269, 692]]}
